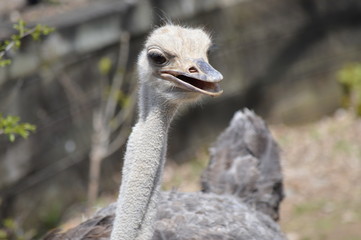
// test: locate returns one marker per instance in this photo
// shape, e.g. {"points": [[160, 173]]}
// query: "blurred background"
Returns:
{"points": [[297, 63]]}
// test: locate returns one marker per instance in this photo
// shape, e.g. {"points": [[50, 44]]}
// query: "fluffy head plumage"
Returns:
{"points": [[175, 63]]}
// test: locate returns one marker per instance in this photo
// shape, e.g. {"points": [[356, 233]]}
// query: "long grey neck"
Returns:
{"points": [[143, 165]]}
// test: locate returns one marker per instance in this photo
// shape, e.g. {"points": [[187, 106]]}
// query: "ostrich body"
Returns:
{"points": [[174, 70]]}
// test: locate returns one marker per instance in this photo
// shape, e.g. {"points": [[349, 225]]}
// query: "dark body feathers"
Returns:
{"points": [[242, 190]]}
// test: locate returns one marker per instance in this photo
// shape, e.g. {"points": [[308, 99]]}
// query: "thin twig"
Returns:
{"points": [[102, 145], [12, 43], [118, 80], [122, 116]]}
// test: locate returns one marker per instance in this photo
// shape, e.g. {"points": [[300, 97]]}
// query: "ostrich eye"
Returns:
{"points": [[157, 58]]}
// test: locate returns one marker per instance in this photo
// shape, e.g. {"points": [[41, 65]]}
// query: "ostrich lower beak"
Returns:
{"points": [[205, 80]]}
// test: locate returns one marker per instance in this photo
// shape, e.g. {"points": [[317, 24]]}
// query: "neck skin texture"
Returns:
{"points": [[142, 170]]}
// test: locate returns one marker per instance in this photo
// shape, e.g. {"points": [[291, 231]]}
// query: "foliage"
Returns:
{"points": [[15, 40], [350, 78], [10, 230], [104, 66], [11, 126]]}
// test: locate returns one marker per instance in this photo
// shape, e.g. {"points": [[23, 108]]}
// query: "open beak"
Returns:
{"points": [[204, 80]]}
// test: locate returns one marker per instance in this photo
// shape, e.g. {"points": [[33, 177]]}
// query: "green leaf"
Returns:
{"points": [[9, 223], [11, 137], [2, 46], [3, 234], [104, 65], [4, 62], [47, 30], [20, 26], [10, 126], [35, 35], [350, 77], [15, 40]]}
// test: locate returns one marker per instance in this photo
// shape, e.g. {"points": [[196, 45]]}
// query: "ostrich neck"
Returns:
{"points": [[143, 164]]}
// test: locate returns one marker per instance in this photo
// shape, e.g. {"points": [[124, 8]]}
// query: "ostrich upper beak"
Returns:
{"points": [[201, 77]]}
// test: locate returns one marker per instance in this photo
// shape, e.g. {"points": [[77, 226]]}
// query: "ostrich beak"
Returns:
{"points": [[201, 77]]}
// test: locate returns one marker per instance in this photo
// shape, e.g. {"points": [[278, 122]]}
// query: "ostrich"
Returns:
{"points": [[174, 71]]}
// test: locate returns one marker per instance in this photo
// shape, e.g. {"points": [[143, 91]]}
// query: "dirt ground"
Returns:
{"points": [[322, 175]]}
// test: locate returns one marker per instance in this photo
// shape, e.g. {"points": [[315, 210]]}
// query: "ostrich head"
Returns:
{"points": [[174, 63]]}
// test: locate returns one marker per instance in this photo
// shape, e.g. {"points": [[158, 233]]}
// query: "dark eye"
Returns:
{"points": [[157, 58]]}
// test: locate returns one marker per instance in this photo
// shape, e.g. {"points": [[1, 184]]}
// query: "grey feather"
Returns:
{"points": [[245, 162], [242, 193]]}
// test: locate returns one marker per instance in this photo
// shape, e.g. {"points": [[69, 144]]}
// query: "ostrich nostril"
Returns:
{"points": [[193, 70]]}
